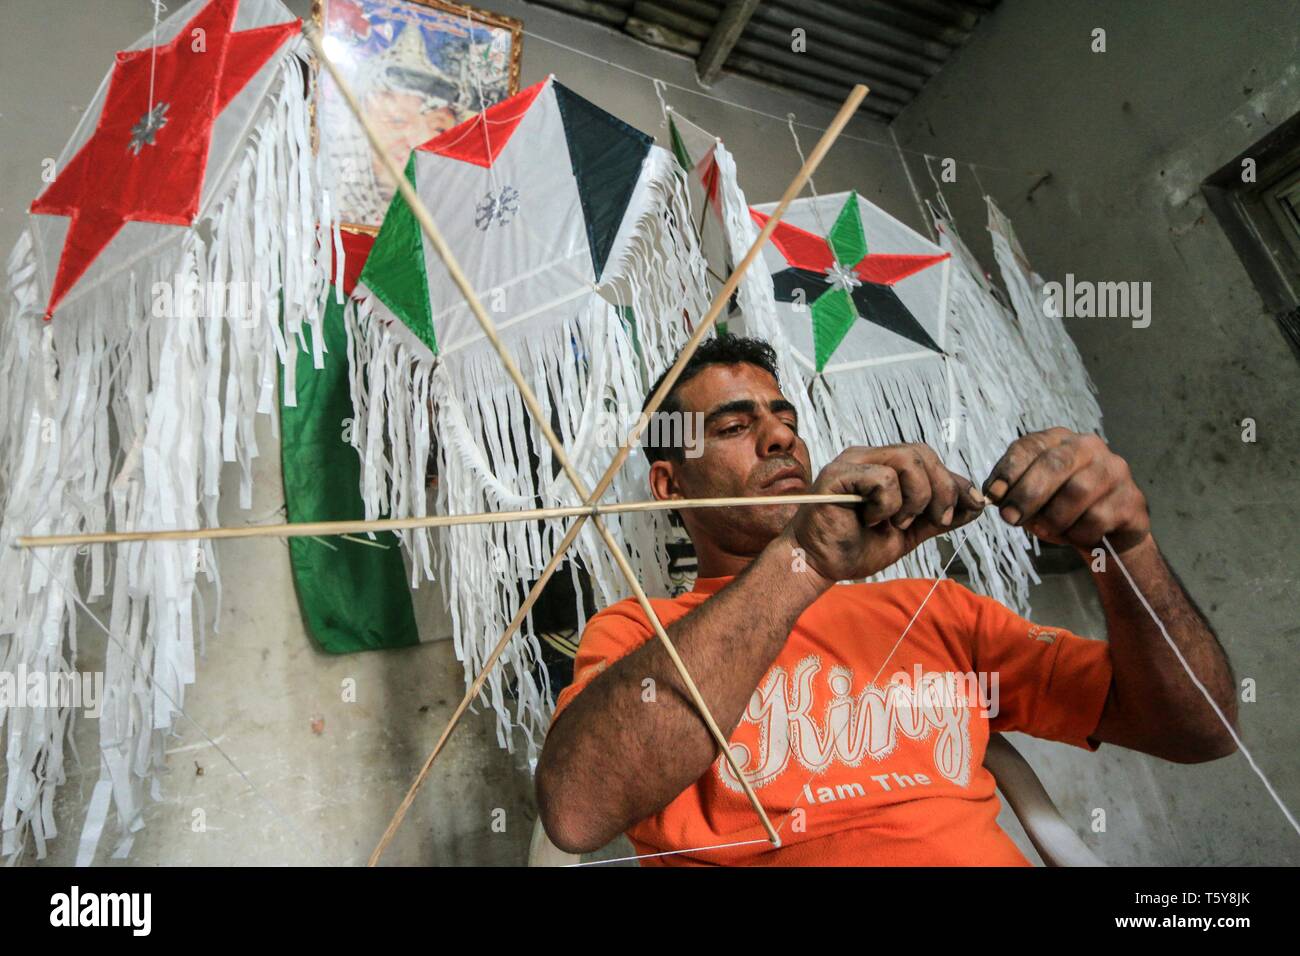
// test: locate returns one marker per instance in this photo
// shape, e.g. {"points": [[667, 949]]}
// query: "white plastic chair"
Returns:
{"points": [[1053, 838]]}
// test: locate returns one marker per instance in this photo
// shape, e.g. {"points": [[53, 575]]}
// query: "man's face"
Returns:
{"points": [[750, 447]]}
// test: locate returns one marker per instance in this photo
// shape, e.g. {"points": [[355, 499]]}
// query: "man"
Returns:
{"points": [[852, 760]]}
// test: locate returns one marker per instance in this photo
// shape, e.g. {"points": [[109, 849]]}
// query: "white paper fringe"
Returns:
{"points": [[185, 391], [994, 381], [1071, 399], [1017, 372]]}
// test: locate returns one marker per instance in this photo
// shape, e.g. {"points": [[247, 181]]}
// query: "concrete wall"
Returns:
{"points": [[1171, 396], [1128, 136]]}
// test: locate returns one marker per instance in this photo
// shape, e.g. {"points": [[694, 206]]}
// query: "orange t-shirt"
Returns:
{"points": [[858, 769]]}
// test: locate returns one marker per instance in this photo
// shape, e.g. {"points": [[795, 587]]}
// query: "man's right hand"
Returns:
{"points": [[910, 498]]}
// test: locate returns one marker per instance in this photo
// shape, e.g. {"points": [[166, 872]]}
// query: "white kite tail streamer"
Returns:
{"points": [[1016, 376], [589, 365], [1051, 349], [180, 351], [1002, 394], [995, 370], [998, 388]]}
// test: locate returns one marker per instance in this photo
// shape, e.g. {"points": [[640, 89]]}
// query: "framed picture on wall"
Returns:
{"points": [[418, 67]]}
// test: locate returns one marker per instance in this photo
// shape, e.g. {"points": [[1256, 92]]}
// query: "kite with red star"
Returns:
{"points": [[146, 159]]}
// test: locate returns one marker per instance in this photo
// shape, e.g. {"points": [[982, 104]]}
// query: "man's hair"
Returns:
{"points": [[719, 350]]}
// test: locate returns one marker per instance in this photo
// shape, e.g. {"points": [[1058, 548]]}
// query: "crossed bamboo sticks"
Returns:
{"points": [[591, 509], [530, 401]]}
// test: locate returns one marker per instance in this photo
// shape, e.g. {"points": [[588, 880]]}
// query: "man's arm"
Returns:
{"points": [[612, 758], [1153, 706], [1072, 489]]}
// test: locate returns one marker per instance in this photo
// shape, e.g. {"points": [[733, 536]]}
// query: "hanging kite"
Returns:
{"points": [[845, 279], [1049, 345], [171, 265], [866, 307], [841, 285], [573, 229]]}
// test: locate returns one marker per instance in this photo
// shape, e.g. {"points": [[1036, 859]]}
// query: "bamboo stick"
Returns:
{"points": [[313, 529]]}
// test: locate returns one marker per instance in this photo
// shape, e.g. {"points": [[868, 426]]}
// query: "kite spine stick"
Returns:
{"points": [[317, 528]]}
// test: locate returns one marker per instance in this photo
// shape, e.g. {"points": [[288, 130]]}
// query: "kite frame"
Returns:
{"points": [[591, 508], [591, 498]]}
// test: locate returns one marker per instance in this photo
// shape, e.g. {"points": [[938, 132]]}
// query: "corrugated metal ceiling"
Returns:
{"points": [[893, 46]]}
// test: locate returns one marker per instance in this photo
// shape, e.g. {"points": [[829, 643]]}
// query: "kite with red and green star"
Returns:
{"points": [[842, 280]]}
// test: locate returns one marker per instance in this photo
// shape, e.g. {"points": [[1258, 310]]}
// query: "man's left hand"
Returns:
{"points": [[1069, 488]]}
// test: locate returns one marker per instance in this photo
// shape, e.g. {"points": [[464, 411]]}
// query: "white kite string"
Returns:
{"points": [[663, 105], [158, 9], [938, 192], [916, 193], [482, 105], [649, 856], [1201, 687], [812, 186], [943, 573]]}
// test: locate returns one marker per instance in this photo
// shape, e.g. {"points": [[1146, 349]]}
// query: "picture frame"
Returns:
{"points": [[419, 67]]}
